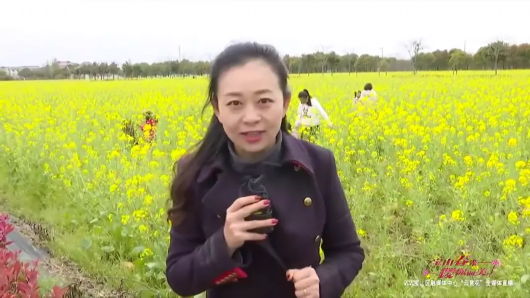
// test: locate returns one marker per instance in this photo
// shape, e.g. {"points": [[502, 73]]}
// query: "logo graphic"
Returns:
{"points": [[463, 265], [305, 112]]}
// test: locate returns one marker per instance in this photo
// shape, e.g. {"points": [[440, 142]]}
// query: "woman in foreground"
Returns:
{"points": [[252, 203]]}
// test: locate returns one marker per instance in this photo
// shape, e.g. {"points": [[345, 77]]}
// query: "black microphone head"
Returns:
{"points": [[253, 187], [256, 188]]}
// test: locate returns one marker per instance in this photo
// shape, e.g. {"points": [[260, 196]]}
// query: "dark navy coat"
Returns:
{"points": [[309, 203]]}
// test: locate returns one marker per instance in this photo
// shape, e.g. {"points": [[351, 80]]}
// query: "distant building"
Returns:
{"points": [[65, 64], [13, 70]]}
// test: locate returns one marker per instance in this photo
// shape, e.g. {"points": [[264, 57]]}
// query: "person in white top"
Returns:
{"points": [[367, 95], [310, 113]]}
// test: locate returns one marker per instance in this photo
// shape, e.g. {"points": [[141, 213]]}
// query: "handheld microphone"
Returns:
{"points": [[254, 187]]}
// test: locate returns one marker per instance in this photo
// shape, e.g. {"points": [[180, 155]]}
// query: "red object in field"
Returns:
{"points": [[230, 276], [152, 132]]}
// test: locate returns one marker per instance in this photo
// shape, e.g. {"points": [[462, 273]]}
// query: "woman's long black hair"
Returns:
{"points": [[305, 93], [215, 140]]}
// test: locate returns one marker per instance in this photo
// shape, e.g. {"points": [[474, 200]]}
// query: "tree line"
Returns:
{"points": [[494, 56]]}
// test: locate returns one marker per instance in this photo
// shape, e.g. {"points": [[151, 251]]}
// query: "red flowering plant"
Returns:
{"points": [[149, 127], [18, 279]]}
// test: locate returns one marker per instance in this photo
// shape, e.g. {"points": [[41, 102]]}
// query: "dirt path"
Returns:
{"points": [[30, 239]]}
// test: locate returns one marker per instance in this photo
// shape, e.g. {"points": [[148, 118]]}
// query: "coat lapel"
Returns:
{"points": [[296, 154], [222, 194], [225, 188]]}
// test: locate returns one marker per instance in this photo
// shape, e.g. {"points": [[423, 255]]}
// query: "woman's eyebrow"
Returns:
{"points": [[263, 91], [240, 94]]}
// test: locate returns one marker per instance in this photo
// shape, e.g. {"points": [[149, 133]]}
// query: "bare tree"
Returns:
{"points": [[350, 58], [300, 64], [497, 49], [414, 48], [324, 58], [381, 62], [383, 66]]}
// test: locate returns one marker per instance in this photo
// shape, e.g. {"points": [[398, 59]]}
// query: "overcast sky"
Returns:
{"points": [[32, 32]]}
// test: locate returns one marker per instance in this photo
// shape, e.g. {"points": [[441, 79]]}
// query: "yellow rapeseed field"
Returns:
{"points": [[439, 168]]}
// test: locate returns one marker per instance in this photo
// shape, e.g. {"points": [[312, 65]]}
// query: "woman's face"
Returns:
{"points": [[251, 107], [303, 99]]}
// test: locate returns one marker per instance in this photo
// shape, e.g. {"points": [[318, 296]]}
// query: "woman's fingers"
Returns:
{"points": [[254, 224], [251, 208], [241, 202]]}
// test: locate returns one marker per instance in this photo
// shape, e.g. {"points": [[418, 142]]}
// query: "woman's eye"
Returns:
{"points": [[265, 100], [234, 103]]}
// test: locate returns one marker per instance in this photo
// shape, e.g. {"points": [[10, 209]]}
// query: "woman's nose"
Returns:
{"points": [[251, 115]]}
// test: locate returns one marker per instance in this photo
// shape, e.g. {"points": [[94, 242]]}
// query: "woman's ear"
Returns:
{"points": [[286, 102], [216, 112]]}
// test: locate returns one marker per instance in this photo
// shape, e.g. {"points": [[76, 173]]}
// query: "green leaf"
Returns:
{"points": [[86, 244], [161, 276], [93, 221], [108, 249], [139, 263], [97, 230], [156, 265], [137, 250], [525, 278], [145, 294]]}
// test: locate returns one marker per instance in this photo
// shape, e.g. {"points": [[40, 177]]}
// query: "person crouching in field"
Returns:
{"points": [[130, 130], [310, 112], [149, 127], [356, 96], [368, 94]]}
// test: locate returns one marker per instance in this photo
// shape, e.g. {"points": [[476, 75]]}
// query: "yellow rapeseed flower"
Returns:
{"points": [[361, 232], [513, 218], [513, 241], [457, 215]]}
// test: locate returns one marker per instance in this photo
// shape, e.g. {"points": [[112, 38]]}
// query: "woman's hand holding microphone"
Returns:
{"points": [[237, 229]]}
